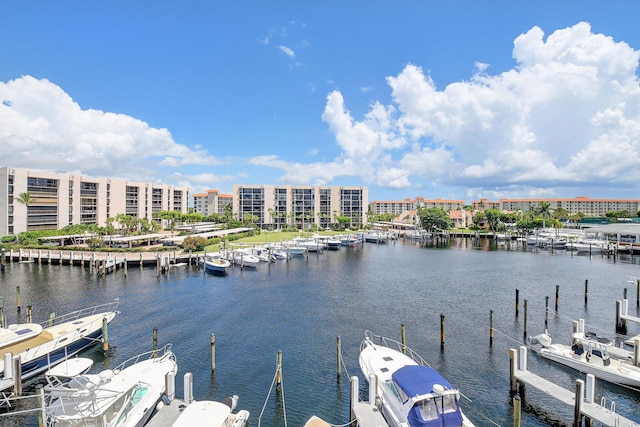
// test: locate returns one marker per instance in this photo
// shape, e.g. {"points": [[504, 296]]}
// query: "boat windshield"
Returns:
{"points": [[436, 411]]}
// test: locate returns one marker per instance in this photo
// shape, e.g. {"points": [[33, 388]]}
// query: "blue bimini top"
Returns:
{"points": [[415, 380]]}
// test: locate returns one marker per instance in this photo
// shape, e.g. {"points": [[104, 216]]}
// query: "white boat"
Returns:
{"points": [[215, 263], [212, 413], [410, 392], [123, 397], [41, 347], [243, 258], [349, 240], [591, 355]]}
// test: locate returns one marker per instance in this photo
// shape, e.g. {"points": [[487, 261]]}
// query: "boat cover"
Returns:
{"points": [[417, 380]]}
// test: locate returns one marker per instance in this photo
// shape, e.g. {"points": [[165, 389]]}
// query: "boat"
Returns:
{"points": [[42, 346], [123, 397], [590, 354], [244, 258], [410, 392], [212, 413], [349, 240], [215, 264]]}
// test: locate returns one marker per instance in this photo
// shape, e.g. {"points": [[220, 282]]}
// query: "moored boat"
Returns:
{"points": [[54, 341], [590, 355], [123, 397], [410, 392]]}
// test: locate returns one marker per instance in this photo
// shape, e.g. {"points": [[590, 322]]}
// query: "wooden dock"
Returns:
{"points": [[584, 406]]}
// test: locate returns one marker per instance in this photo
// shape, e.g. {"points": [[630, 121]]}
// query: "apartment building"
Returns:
{"points": [[586, 205], [211, 202], [60, 199], [277, 206], [400, 206]]}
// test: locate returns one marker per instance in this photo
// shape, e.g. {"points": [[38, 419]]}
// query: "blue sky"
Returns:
{"points": [[455, 99]]}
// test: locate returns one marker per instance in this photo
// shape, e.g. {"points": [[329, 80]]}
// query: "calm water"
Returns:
{"points": [[301, 306]]}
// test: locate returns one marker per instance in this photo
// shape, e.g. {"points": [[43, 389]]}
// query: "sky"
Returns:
{"points": [[440, 99]]}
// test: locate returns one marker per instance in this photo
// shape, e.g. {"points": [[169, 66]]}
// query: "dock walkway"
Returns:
{"points": [[606, 416]]}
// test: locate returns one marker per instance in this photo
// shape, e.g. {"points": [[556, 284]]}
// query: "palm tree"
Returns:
{"points": [[544, 210], [25, 198]]}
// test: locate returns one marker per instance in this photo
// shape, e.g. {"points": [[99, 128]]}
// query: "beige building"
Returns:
{"points": [[60, 199], [400, 206], [278, 206], [211, 202], [586, 205]]}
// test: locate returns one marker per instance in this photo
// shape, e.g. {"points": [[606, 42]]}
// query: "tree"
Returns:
{"points": [[434, 219], [544, 211], [493, 218], [25, 198]]}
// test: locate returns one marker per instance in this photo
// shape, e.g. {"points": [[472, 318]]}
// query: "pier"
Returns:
{"points": [[583, 405]]}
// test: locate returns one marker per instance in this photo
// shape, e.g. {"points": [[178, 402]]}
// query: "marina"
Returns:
{"points": [[301, 305]]}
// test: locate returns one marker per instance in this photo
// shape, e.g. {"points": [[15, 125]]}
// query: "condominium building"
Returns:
{"points": [[399, 206], [278, 206], [586, 205], [211, 202], [60, 199]]}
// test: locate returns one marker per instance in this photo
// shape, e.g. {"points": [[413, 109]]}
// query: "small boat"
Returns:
{"points": [[410, 392], [123, 397], [212, 413], [215, 264], [243, 258], [43, 346], [316, 421], [590, 355]]}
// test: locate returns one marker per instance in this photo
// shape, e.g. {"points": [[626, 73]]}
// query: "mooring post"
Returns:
{"points": [[513, 366], [338, 358], [213, 352], [637, 292], [577, 412], [17, 376], [125, 265], [546, 311], [353, 396], [557, 296], [403, 338], [517, 301], [441, 330], [279, 370], [155, 342], [18, 302], [525, 318], [1, 312], [586, 291], [28, 314], [105, 334], [490, 328], [42, 415], [621, 324], [517, 409]]}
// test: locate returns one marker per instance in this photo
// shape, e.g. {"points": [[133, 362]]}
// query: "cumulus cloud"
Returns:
{"points": [[567, 113], [287, 51], [41, 127]]}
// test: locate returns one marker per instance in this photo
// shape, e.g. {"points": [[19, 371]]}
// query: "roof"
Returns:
{"points": [[617, 228]]}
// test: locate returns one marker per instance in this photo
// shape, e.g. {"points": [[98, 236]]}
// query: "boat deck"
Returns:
{"points": [[368, 415], [167, 415]]}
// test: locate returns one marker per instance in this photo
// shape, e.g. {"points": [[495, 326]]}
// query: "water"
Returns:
{"points": [[300, 307]]}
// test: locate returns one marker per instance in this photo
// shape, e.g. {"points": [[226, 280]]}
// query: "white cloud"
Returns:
{"points": [[287, 51], [568, 113], [41, 127]]}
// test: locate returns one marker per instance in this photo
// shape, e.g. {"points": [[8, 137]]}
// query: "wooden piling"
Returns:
{"points": [[105, 334], [546, 312], [42, 416], [621, 324], [155, 342], [490, 328], [2, 258], [586, 291], [49, 257], [441, 331], [403, 338], [17, 376], [2, 325], [28, 314], [125, 265], [637, 292], [18, 302], [517, 301], [279, 370], [557, 296], [525, 319], [513, 366], [338, 358], [517, 410], [212, 344], [52, 318], [577, 409]]}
